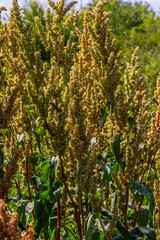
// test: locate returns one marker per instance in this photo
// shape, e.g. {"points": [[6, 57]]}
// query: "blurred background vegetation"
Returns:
{"points": [[133, 24]]}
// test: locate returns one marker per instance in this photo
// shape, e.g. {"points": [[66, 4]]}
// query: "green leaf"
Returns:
{"points": [[90, 225], [35, 124], [36, 181], [44, 204], [106, 213], [124, 231], [116, 167], [42, 133], [21, 206], [138, 233], [155, 100], [10, 123], [150, 157], [56, 108], [138, 187], [113, 200], [38, 140], [106, 170], [143, 215], [45, 195], [45, 172], [69, 230], [53, 165], [4, 131], [28, 210], [103, 116], [116, 147], [98, 235]]}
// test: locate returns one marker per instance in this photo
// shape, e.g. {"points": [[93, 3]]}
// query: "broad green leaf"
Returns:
{"points": [[113, 200], [42, 133], [125, 233], [45, 172], [53, 165], [116, 147], [4, 131], [45, 195], [38, 140], [116, 167], [28, 210], [143, 215], [21, 206], [70, 232], [36, 180], [105, 156], [90, 225], [98, 235], [139, 233], [106, 213], [35, 124], [138, 187], [44, 205], [106, 170]]}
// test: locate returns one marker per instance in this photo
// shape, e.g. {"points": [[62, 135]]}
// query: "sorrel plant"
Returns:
{"points": [[79, 135]]}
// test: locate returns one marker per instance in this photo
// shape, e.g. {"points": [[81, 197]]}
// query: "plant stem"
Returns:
{"points": [[135, 219], [77, 214], [148, 152], [27, 177], [107, 196], [126, 207], [33, 160], [82, 213], [102, 225], [32, 156], [58, 219], [19, 190]]}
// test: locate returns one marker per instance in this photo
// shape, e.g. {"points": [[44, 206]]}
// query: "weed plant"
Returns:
{"points": [[79, 135]]}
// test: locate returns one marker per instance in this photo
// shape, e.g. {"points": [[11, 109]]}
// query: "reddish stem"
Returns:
{"points": [[146, 186], [126, 207], [77, 214], [135, 219], [27, 177], [58, 219], [148, 152], [82, 213], [107, 198], [33, 160], [122, 167], [18, 188], [57, 106], [32, 156]]}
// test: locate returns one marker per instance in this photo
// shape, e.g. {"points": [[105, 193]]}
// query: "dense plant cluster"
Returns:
{"points": [[79, 133]]}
